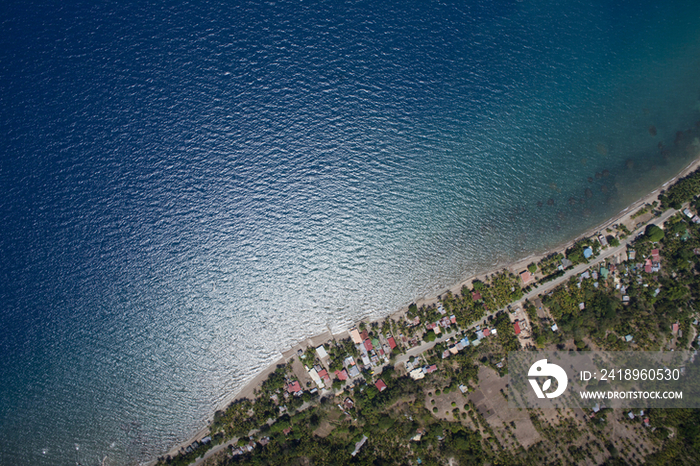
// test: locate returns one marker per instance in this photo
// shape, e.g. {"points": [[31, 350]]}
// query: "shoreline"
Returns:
{"points": [[247, 391], [622, 216]]}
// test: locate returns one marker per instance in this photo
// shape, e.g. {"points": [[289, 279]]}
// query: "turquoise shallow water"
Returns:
{"points": [[189, 189]]}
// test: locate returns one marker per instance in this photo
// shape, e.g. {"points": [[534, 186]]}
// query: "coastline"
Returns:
{"points": [[247, 391]]}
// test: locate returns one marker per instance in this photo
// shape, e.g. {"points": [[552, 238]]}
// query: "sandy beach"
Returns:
{"points": [[623, 217]]}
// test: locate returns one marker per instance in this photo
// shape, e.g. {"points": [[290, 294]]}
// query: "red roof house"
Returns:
{"points": [[392, 343], [342, 375], [364, 335], [487, 332], [294, 387], [655, 255], [476, 296], [525, 276], [324, 375], [430, 369], [674, 327], [516, 327], [368, 345], [381, 386]]}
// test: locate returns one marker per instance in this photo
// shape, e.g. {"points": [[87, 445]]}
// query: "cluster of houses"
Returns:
{"points": [[464, 342], [651, 264], [645, 420], [236, 451], [373, 352], [693, 218], [420, 372], [445, 323], [196, 444], [601, 274], [640, 414]]}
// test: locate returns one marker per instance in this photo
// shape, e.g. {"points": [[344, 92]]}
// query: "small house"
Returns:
{"points": [[348, 403], [353, 371], [381, 386], [355, 336], [655, 255]]}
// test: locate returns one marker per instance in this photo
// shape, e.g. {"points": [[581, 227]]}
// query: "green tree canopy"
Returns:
{"points": [[654, 233]]}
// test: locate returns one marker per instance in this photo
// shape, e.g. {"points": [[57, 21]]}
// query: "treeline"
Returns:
{"points": [[496, 292], [682, 191]]}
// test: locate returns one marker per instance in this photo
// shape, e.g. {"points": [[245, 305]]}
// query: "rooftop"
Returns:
{"points": [[525, 276]]}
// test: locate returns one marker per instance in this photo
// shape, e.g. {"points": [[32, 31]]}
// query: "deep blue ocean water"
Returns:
{"points": [[188, 188]]}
